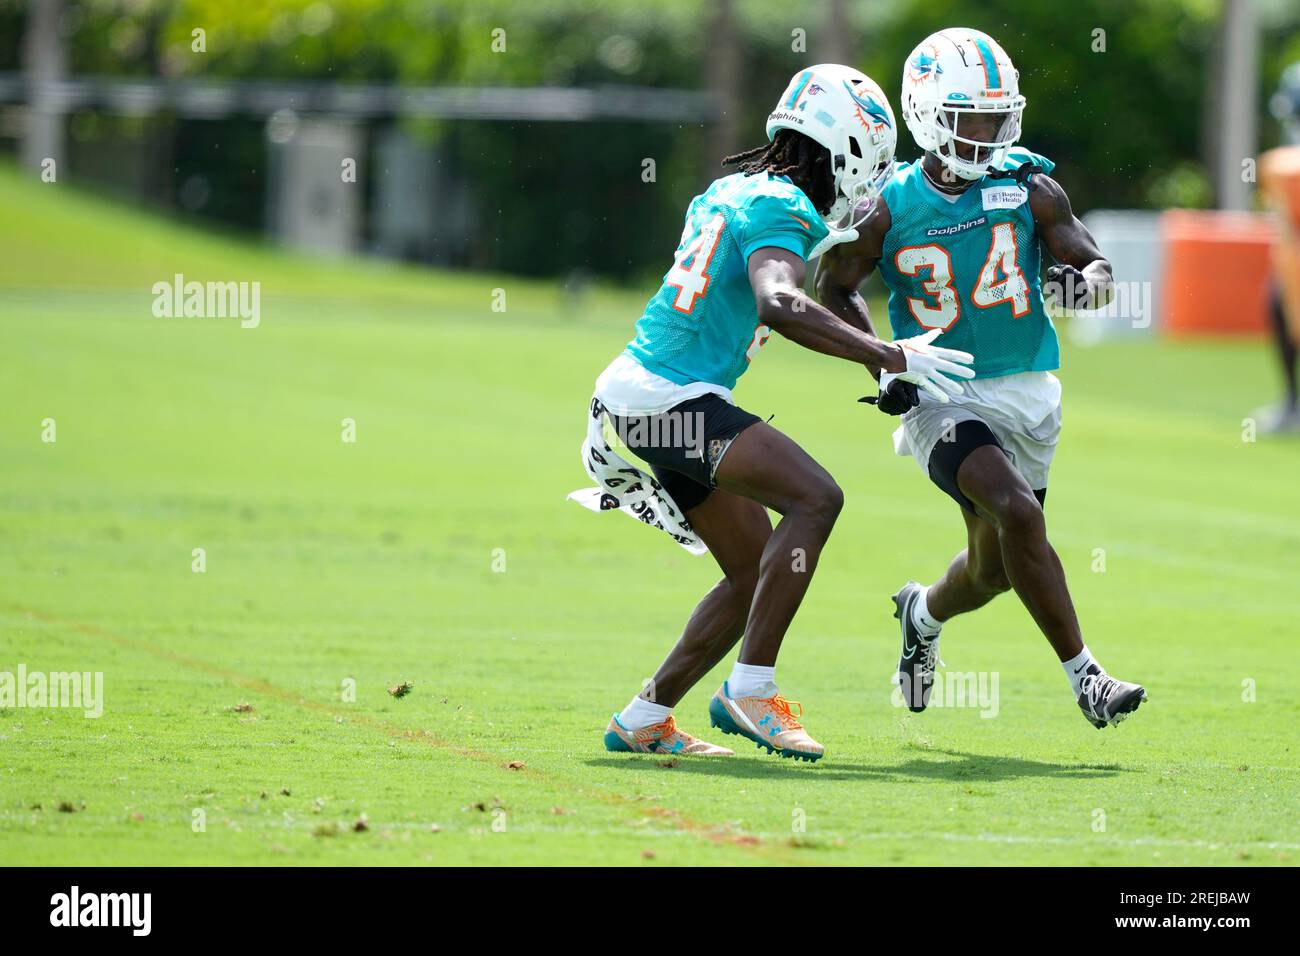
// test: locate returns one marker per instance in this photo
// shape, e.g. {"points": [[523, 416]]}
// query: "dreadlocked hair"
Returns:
{"points": [[807, 163]]}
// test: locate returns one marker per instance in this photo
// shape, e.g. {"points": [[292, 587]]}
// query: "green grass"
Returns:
{"points": [[373, 562]]}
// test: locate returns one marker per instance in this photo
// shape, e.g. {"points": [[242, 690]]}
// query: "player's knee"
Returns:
{"points": [[824, 503], [1021, 516], [741, 583], [990, 579]]}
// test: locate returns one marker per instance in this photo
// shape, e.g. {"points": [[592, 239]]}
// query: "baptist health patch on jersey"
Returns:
{"points": [[1004, 197]]}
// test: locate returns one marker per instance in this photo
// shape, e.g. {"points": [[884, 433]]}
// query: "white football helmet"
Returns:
{"points": [[846, 111], [951, 76]]}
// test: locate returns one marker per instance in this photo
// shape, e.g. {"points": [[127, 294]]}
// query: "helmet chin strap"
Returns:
{"points": [[948, 187], [848, 233], [839, 209], [833, 238], [1021, 174]]}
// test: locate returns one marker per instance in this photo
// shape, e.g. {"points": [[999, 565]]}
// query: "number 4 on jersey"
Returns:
{"points": [[689, 274], [988, 291]]}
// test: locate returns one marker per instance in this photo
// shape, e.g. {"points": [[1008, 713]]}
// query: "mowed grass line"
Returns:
{"points": [[656, 821], [374, 562]]}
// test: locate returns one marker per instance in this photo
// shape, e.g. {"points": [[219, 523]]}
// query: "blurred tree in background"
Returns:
{"points": [[1126, 123]]}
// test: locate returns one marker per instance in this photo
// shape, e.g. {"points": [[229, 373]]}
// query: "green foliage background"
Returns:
{"points": [[1124, 125]]}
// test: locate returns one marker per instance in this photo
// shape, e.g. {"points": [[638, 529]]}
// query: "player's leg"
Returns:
{"points": [[1002, 496], [975, 577], [766, 466], [736, 531], [942, 437], [1286, 347], [1284, 417], [1005, 500]]}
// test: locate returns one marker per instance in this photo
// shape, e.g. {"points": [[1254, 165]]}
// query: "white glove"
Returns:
{"points": [[833, 238], [929, 366]]}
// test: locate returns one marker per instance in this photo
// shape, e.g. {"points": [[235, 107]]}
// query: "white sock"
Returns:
{"points": [[927, 625], [752, 680], [1076, 668], [641, 714]]}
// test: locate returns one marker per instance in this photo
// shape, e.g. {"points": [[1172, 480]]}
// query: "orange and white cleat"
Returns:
{"points": [[662, 738], [768, 721]]}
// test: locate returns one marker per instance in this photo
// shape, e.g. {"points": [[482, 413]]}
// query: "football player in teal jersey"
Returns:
{"points": [[957, 238], [738, 274]]}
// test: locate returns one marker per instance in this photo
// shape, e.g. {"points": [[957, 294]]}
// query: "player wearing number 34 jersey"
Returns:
{"points": [[957, 239]]}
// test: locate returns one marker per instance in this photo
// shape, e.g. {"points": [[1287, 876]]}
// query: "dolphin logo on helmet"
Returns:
{"points": [[873, 109], [923, 62]]}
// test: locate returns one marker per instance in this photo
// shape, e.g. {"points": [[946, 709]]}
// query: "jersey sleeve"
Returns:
{"points": [[781, 220]]}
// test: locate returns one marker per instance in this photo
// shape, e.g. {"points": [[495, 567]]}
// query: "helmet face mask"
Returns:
{"points": [[956, 85], [985, 150], [847, 113], [853, 204]]}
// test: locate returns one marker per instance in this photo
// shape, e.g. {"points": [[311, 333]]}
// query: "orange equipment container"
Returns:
{"points": [[1218, 267]]}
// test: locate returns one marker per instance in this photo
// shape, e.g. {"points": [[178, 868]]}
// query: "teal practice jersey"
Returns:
{"points": [[969, 267], [702, 325]]}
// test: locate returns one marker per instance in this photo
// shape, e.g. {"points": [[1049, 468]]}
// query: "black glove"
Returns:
{"points": [[899, 397], [1067, 286]]}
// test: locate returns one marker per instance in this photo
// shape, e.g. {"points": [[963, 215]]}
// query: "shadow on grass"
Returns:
{"points": [[951, 765]]}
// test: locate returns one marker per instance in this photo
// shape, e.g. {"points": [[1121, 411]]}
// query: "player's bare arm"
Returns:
{"points": [[1082, 277], [840, 273], [843, 268], [777, 276]]}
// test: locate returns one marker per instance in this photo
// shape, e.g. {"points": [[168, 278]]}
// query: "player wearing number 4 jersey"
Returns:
{"points": [[957, 239], [738, 274]]}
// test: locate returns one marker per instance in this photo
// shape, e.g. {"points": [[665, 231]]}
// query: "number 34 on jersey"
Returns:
{"points": [[1000, 280]]}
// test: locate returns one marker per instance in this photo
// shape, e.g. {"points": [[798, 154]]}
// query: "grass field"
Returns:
{"points": [[373, 561]]}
